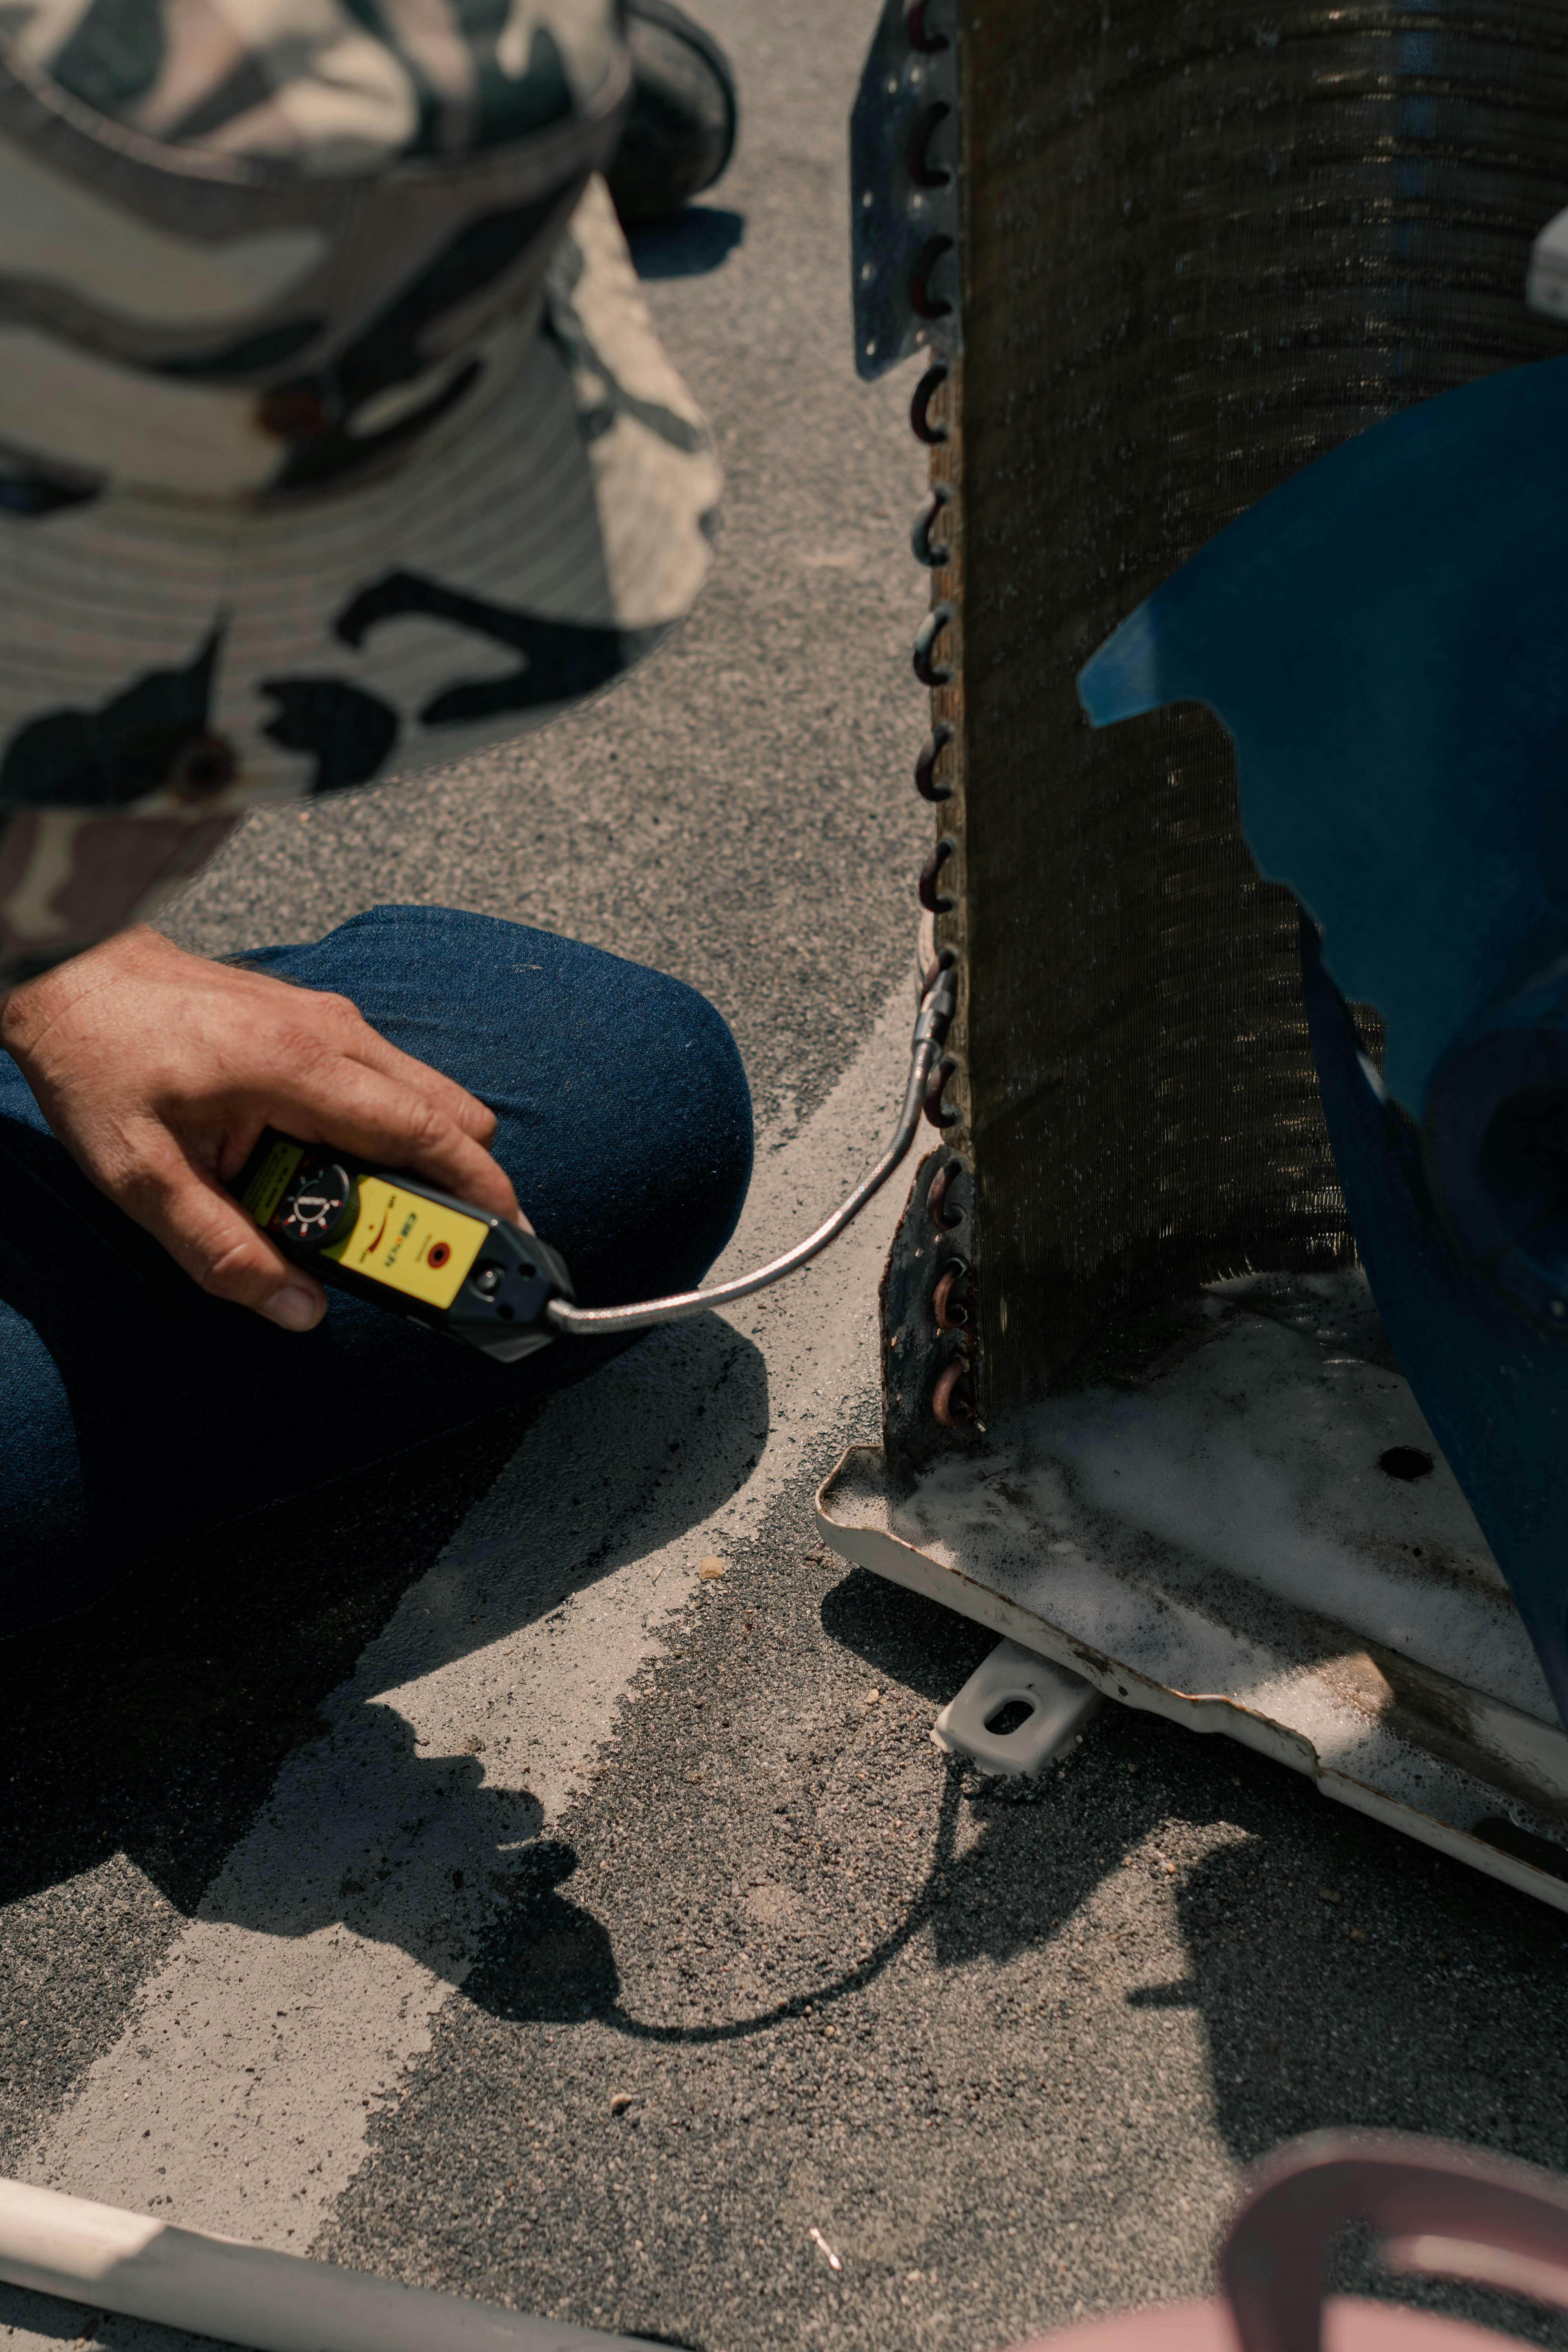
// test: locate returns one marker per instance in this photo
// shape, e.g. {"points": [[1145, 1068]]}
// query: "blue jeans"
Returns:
{"points": [[135, 1413]]}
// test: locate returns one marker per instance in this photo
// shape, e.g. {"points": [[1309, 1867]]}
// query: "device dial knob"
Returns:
{"points": [[321, 1204]]}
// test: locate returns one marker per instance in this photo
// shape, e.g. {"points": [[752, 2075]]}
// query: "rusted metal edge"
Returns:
{"points": [[853, 1509]]}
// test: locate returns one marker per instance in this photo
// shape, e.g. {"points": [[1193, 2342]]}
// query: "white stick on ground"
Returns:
{"points": [[116, 2261]]}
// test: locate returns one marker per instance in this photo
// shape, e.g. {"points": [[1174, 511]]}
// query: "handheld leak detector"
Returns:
{"points": [[391, 1239], [388, 1237]]}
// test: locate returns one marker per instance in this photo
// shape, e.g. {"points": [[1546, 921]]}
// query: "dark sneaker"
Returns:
{"points": [[680, 131]]}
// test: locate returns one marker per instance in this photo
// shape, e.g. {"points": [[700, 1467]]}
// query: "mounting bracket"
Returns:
{"points": [[904, 188], [1058, 1704]]}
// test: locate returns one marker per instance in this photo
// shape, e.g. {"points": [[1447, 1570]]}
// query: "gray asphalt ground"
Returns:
{"points": [[785, 1971], [740, 813]]}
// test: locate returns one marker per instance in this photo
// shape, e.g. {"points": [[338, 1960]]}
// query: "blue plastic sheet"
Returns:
{"points": [[1385, 638]]}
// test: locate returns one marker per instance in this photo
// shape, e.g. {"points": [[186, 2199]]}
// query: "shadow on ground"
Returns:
{"points": [[1341, 1975], [156, 1725], [1004, 2046], [690, 244]]}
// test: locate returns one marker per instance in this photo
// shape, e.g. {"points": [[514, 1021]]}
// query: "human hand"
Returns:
{"points": [[158, 1070]]}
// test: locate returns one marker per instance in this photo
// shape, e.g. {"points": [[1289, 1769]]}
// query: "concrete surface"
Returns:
{"points": [[736, 1957], [239, 2096]]}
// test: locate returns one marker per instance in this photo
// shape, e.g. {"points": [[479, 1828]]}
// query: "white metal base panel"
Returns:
{"points": [[1220, 1545]]}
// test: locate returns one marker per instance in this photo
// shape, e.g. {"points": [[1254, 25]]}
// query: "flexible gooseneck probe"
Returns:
{"points": [[937, 1008]]}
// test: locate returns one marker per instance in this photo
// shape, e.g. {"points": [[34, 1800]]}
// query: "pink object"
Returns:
{"points": [[1350, 2324], [1458, 2212]]}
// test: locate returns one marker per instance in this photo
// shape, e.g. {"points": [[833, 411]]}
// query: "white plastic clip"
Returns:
{"points": [[1056, 1704]]}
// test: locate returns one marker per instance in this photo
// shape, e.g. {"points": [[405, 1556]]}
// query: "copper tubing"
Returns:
{"points": [[918, 33], [945, 1401], [923, 301], [951, 1314], [943, 960], [921, 425], [940, 1113], [922, 169], [936, 1198], [935, 901], [933, 558], [930, 750], [927, 668]]}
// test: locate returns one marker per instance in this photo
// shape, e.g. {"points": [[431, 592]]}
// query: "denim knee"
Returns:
{"points": [[667, 1191], [711, 1155], [624, 1118]]}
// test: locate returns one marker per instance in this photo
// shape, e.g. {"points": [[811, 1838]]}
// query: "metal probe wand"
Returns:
{"points": [[937, 1008]]}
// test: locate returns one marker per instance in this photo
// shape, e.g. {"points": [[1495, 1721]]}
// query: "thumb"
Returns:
{"points": [[207, 1233]]}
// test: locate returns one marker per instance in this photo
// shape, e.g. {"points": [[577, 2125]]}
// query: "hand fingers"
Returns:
{"points": [[344, 1102], [347, 1031], [422, 1124], [465, 1110], [207, 1233]]}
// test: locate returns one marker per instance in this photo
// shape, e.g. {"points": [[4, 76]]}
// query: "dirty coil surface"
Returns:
{"points": [[1203, 245]]}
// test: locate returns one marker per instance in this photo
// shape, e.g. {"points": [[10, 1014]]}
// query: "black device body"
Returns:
{"points": [[388, 1237]]}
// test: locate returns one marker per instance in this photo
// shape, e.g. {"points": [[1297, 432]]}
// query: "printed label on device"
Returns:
{"points": [[408, 1242], [270, 1181]]}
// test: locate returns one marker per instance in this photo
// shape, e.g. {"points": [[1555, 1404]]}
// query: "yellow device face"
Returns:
{"points": [[382, 1237], [412, 1245], [399, 1239]]}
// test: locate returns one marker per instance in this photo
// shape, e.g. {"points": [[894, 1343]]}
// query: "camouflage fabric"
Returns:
{"points": [[335, 435], [323, 89], [68, 879]]}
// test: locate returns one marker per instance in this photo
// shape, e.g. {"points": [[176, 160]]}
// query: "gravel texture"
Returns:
{"points": [[786, 1985], [1003, 2048], [739, 813]]}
